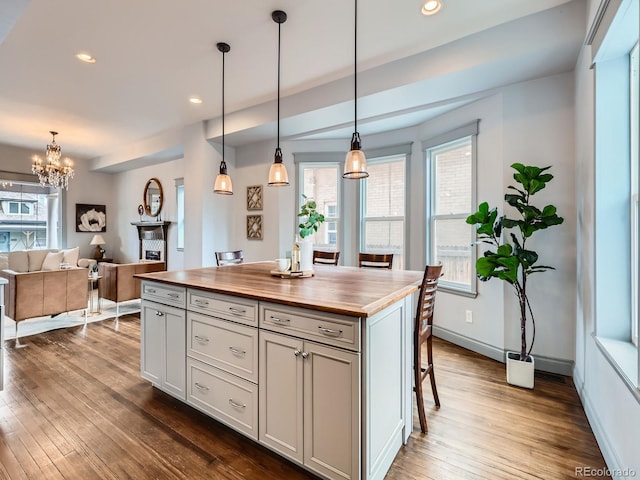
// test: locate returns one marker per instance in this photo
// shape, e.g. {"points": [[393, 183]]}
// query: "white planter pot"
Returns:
{"points": [[306, 255], [520, 373]]}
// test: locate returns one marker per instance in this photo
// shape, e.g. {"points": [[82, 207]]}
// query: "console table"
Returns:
{"points": [[155, 233]]}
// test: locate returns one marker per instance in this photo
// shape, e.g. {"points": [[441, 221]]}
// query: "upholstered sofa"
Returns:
{"points": [[38, 286], [118, 284]]}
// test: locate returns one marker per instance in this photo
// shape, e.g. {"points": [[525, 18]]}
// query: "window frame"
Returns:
{"points": [[303, 162], [451, 138], [396, 218], [179, 184], [634, 148]]}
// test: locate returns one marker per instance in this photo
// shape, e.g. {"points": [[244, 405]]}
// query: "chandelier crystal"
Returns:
{"points": [[52, 170]]}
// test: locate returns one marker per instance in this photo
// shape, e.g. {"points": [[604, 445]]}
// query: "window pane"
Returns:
{"points": [[25, 211], [385, 236], [452, 246], [385, 189], [180, 215], [320, 183], [453, 170]]}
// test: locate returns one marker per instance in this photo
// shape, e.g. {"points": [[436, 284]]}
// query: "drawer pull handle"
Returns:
{"points": [[201, 387], [329, 332], [203, 303], [159, 314], [235, 351], [279, 320], [174, 295], [201, 339], [236, 405], [237, 311], [150, 290]]}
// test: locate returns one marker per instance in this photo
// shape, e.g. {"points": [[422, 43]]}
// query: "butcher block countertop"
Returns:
{"points": [[358, 292]]}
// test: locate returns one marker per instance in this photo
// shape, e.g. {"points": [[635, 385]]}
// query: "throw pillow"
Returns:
{"points": [[52, 261], [36, 257], [19, 261], [71, 256], [4, 262]]}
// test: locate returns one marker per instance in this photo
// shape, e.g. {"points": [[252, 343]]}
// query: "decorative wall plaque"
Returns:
{"points": [[254, 197], [254, 227]]}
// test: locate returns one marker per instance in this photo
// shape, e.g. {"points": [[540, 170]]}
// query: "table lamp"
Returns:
{"points": [[97, 240]]}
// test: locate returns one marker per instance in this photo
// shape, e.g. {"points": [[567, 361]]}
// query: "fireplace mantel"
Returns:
{"points": [[152, 232]]}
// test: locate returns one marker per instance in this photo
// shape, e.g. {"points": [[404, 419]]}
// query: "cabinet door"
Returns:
{"points": [[175, 351], [332, 411], [151, 342], [280, 399]]}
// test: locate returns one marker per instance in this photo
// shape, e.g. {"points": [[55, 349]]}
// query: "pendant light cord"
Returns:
{"points": [[355, 67], [278, 145], [223, 53]]}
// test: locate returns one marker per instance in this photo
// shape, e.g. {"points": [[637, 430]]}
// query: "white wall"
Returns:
{"points": [[129, 189], [85, 187]]}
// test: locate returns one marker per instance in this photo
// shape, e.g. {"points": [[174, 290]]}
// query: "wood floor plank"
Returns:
{"points": [[75, 408]]}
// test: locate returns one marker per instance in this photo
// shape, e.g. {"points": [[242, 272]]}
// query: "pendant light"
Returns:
{"points": [[355, 163], [223, 184], [278, 172]]}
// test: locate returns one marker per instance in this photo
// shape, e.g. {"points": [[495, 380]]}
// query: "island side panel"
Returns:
{"points": [[387, 386]]}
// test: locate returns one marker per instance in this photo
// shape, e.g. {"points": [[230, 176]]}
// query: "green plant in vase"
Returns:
{"points": [[313, 219]]}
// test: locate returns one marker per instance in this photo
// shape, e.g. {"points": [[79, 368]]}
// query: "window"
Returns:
{"points": [[29, 216], [634, 97], [382, 208], [450, 179], [20, 208], [319, 181], [180, 212]]}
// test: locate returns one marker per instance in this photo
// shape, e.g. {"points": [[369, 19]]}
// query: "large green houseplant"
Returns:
{"points": [[508, 257], [310, 221]]}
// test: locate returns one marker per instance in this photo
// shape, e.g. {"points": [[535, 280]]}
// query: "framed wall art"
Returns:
{"points": [[254, 227], [91, 218], [254, 197]]}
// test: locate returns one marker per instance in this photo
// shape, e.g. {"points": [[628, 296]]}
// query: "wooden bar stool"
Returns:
{"points": [[325, 258], [422, 333], [229, 258], [375, 260]]}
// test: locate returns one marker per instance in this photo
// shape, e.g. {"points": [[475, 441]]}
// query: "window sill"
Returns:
{"points": [[457, 291], [623, 357]]}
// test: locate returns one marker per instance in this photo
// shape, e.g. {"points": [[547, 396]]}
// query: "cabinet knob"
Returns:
{"points": [[305, 354], [159, 314], [297, 352]]}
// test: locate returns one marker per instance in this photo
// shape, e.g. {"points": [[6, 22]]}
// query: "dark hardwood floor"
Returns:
{"points": [[74, 407]]}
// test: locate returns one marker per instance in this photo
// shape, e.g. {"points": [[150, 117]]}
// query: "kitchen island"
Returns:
{"points": [[317, 369]]}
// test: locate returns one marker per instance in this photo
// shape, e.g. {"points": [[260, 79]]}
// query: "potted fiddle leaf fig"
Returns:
{"points": [[509, 259]]}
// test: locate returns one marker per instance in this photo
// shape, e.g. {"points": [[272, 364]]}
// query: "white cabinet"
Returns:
{"points": [[222, 359], [310, 404], [163, 347]]}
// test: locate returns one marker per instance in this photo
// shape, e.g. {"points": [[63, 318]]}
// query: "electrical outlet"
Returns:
{"points": [[469, 316]]}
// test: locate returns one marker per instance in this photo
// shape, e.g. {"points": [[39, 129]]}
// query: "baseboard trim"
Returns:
{"points": [[544, 364]]}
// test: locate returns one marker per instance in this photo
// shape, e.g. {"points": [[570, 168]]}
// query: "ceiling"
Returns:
{"points": [[152, 55]]}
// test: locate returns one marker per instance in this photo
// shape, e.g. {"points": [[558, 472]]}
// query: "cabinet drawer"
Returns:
{"points": [[330, 329], [223, 306], [223, 344], [165, 294], [225, 397]]}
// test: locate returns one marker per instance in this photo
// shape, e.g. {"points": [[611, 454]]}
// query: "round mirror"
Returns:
{"points": [[153, 197]]}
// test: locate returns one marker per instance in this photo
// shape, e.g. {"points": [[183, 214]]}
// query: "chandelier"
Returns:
{"points": [[51, 170]]}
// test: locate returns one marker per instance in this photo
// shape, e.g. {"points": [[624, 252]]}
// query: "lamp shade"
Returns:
{"points": [[97, 240], [355, 163], [223, 185]]}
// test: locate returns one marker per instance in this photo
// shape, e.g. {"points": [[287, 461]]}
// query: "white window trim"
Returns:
{"points": [[452, 136], [394, 218]]}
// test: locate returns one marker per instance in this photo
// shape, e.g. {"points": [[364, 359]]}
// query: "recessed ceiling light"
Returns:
{"points": [[86, 58], [431, 7], [195, 100]]}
